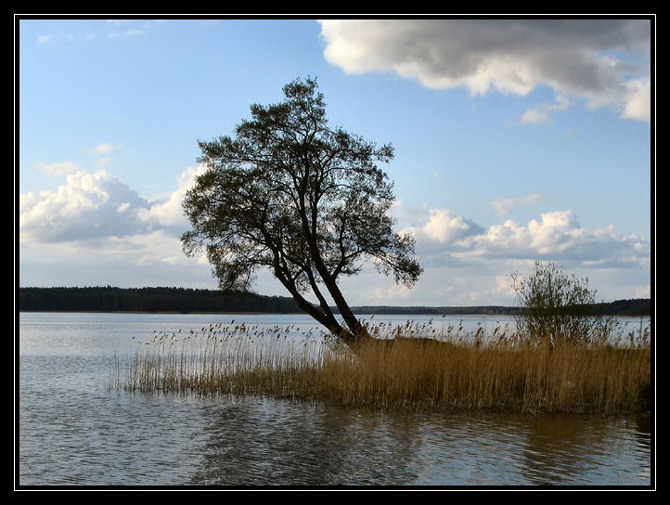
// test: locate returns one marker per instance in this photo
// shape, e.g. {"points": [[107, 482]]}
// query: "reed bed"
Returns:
{"points": [[403, 369]]}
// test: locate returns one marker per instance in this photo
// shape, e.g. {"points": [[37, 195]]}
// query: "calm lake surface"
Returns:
{"points": [[74, 430]]}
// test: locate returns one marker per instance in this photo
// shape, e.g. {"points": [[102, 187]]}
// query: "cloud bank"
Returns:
{"points": [[95, 230], [447, 239], [98, 205], [603, 62]]}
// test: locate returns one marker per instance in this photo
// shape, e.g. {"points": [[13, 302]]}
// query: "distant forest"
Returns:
{"points": [[184, 300]]}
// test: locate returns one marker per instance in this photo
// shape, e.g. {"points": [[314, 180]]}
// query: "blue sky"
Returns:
{"points": [[516, 141]]}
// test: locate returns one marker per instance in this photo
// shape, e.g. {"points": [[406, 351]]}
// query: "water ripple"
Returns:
{"points": [[74, 432]]}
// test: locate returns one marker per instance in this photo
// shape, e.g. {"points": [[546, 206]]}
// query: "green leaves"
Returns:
{"points": [[290, 193], [556, 306]]}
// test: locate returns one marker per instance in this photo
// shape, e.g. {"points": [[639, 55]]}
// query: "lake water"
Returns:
{"points": [[75, 431]]}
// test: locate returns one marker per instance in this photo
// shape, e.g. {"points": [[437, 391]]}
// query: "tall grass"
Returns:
{"points": [[447, 371]]}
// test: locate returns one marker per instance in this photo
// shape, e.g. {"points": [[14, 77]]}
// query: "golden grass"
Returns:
{"points": [[504, 374]]}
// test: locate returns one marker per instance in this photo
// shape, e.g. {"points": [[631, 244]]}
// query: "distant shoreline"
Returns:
{"points": [[167, 300], [166, 312], [385, 313]]}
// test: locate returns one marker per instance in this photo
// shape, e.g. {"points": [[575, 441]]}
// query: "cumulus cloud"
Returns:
{"points": [[86, 206], [168, 213], [96, 205], [95, 230], [98, 230], [445, 238], [443, 227], [604, 62]]}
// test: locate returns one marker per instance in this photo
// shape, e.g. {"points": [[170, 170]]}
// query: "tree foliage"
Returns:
{"points": [[305, 200], [556, 306]]}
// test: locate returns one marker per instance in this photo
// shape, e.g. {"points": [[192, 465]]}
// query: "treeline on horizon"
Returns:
{"points": [[187, 300]]}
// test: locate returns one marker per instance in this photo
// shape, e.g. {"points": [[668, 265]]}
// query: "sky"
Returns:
{"points": [[516, 140]]}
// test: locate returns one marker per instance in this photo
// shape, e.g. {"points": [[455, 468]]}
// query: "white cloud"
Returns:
{"points": [[505, 205], [639, 98], [467, 264], [504, 285], [130, 27], [95, 205], [54, 37], [443, 227], [557, 236], [95, 230], [111, 28], [591, 59], [541, 113], [86, 206], [444, 238], [102, 149], [168, 213]]}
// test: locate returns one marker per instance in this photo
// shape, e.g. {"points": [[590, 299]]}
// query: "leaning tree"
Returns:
{"points": [[306, 200]]}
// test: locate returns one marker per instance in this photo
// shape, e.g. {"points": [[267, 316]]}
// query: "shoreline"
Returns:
{"points": [[167, 312], [256, 313], [191, 301]]}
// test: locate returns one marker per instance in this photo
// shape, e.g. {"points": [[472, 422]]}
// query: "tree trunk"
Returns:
{"points": [[326, 319], [357, 331]]}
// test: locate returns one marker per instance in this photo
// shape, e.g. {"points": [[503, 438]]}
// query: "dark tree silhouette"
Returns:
{"points": [[305, 200]]}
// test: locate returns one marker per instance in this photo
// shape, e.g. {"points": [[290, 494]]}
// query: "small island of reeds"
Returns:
{"points": [[402, 368]]}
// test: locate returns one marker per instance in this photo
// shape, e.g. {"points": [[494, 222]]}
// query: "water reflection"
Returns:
{"points": [[284, 444], [75, 432], [263, 443], [561, 451]]}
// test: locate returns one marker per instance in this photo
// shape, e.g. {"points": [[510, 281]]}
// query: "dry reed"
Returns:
{"points": [[453, 372]]}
